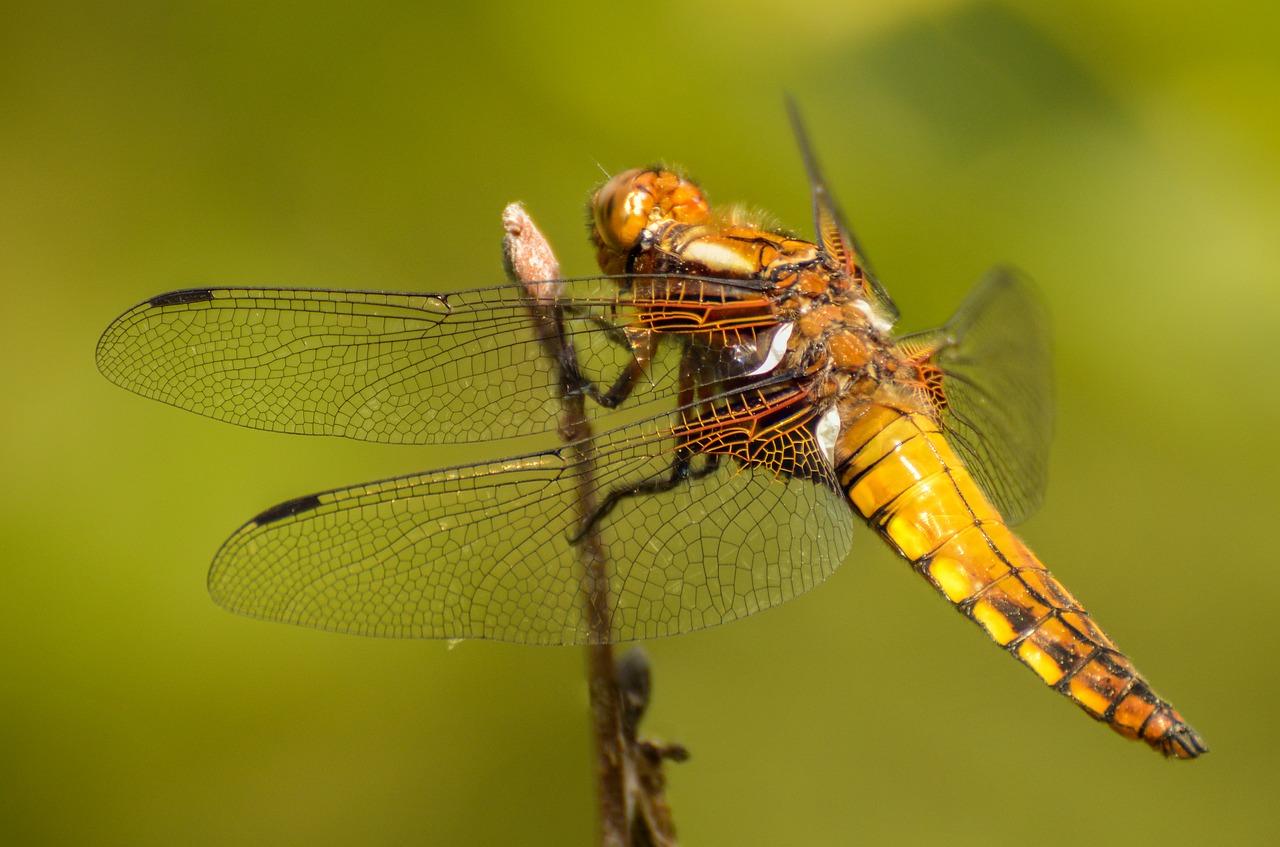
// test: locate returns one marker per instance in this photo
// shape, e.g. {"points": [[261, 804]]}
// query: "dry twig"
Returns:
{"points": [[629, 781]]}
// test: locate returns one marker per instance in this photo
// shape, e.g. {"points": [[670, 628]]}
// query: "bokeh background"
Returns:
{"points": [[1125, 153]]}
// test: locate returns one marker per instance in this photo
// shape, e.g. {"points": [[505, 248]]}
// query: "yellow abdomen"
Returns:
{"points": [[902, 476]]}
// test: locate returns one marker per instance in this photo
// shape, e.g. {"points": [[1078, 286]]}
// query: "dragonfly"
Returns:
{"points": [[747, 405]]}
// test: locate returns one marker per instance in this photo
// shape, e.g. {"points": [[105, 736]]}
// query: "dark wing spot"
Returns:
{"points": [[181, 298], [288, 509]]}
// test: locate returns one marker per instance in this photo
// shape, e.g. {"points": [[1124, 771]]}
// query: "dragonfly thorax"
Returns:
{"points": [[799, 310]]}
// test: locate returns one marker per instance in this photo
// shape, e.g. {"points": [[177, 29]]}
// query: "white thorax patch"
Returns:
{"points": [[777, 349], [827, 432], [719, 258], [877, 320]]}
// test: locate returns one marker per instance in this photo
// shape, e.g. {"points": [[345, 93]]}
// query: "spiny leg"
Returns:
{"points": [[692, 362]]}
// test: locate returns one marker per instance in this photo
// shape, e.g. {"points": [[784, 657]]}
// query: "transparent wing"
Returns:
{"points": [[835, 237], [996, 393], [488, 550], [387, 367]]}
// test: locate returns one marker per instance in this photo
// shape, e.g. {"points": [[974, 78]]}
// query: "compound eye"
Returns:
{"points": [[622, 208]]}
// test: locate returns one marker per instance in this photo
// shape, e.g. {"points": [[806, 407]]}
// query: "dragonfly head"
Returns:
{"points": [[630, 202]]}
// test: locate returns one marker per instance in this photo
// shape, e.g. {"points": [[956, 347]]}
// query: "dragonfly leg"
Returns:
{"points": [[575, 383], [640, 345], [682, 471], [682, 467], [622, 386]]}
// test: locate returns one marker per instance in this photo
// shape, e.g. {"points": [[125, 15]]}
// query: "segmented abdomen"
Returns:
{"points": [[902, 476]]}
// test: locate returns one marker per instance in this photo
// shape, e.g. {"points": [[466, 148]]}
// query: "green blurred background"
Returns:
{"points": [[1126, 154]]}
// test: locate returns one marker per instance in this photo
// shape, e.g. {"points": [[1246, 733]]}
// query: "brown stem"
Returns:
{"points": [[530, 261], [629, 781]]}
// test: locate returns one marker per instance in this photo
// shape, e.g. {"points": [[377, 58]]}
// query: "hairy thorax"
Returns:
{"points": [[802, 314]]}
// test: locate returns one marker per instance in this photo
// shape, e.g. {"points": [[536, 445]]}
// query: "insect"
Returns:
{"points": [[749, 403]]}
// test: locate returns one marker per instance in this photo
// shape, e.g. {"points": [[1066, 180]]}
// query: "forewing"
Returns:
{"points": [[488, 550], [835, 237], [375, 366], [997, 388]]}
